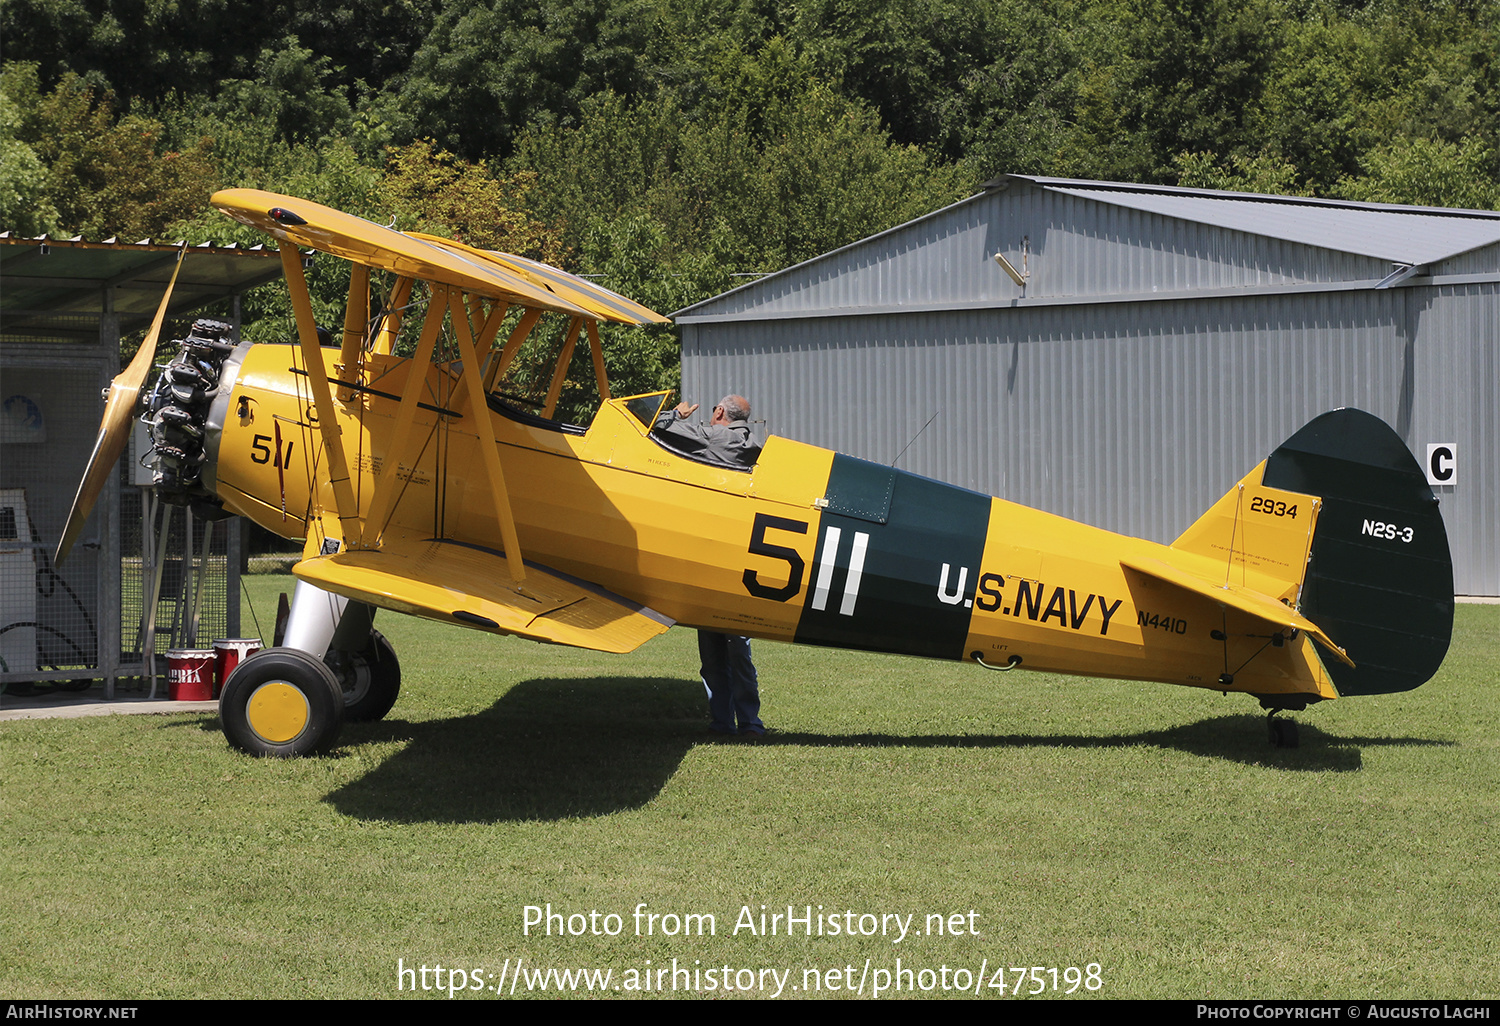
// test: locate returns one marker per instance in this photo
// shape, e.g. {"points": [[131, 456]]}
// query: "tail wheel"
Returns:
{"points": [[281, 702], [370, 679], [1283, 733]]}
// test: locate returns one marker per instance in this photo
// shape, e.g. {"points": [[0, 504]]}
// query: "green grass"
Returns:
{"points": [[1148, 829]]}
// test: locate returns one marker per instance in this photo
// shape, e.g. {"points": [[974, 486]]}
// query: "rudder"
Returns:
{"points": [[1379, 577]]}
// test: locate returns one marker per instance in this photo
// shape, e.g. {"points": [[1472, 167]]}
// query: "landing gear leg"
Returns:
{"points": [[364, 663], [314, 617]]}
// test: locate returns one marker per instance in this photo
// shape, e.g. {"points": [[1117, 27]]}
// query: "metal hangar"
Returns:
{"points": [[1122, 354]]}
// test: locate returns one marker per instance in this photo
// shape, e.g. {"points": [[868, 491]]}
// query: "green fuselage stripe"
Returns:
{"points": [[897, 563]]}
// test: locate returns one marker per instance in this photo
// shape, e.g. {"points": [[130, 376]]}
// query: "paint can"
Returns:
{"points": [[190, 674], [229, 653]]}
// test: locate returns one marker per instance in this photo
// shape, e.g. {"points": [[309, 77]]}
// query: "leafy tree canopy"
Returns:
{"points": [[675, 147]]}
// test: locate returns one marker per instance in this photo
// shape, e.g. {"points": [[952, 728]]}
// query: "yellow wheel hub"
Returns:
{"points": [[277, 712]]}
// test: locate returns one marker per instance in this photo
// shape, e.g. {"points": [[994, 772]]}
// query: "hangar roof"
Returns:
{"points": [[1408, 235], [1080, 241]]}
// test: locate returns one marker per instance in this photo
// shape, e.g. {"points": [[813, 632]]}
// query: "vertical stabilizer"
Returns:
{"points": [[1260, 535]]}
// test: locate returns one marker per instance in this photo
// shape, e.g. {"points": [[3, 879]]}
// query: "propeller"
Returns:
{"points": [[114, 428]]}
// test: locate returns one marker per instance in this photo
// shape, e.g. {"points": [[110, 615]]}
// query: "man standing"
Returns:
{"points": [[728, 673]]}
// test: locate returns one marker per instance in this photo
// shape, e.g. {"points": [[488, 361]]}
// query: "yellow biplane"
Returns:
{"points": [[419, 487]]}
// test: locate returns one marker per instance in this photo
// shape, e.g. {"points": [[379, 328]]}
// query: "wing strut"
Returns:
{"points": [[390, 481], [485, 338], [560, 372], [512, 346], [600, 375], [390, 321], [356, 320], [486, 431], [317, 375]]}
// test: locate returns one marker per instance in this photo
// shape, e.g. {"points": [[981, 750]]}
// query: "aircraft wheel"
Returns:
{"points": [[281, 702], [370, 679], [1283, 733]]}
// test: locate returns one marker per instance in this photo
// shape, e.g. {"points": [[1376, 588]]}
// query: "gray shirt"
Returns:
{"points": [[730, 445]]}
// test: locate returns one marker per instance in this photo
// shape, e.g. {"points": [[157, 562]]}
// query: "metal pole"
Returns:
{"points": [[208, 533], [155, 596]]}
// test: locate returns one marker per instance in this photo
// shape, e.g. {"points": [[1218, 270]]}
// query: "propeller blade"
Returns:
{"points": [[114, 428]]}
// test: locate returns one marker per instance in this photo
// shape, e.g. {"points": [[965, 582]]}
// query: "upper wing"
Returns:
{"points": [[472, 587], [460, 281], [305, 223], [598, 300]]}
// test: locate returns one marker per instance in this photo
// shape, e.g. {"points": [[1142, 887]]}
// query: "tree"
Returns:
{"points": [[1018, 109], [1193, 72], [291, 91], [774, 167], [1428, 173], [446, 196], [104, 175], [1260, 174], [147, 51], [489, 67], [24, 203]]}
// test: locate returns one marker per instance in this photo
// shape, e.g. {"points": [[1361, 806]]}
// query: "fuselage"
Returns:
{"points": [[808, 545]]}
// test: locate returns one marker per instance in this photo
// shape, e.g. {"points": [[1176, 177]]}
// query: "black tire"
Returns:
{"points": [[370, 679], [260, 712]]}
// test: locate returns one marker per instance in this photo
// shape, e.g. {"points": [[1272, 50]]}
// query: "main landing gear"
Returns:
{"points": [[282, 702], [370, 678], [287, 702]]}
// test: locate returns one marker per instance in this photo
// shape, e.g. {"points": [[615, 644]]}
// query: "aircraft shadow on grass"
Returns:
{"points": [[560, 748]]}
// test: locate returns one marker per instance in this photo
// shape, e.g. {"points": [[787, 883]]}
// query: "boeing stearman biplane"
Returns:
{"points": [[419, 487]]}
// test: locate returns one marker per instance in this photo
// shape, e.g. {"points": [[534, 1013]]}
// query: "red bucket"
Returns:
{"points": [[190, 674], [229, 653]]}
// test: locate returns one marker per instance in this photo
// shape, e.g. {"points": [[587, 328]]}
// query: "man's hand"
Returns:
{"points": [[684, 411]]}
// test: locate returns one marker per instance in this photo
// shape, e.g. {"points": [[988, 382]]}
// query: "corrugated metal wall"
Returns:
{"points": [[1133, 416], [1456, 366]]}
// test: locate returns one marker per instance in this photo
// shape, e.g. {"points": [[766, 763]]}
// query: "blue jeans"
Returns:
{"points": [[729, 678]]}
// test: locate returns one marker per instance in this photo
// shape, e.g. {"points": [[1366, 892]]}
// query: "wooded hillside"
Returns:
{"points": [[669, 145]]}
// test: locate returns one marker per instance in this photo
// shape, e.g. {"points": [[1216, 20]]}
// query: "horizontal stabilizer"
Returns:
{"points": [[1252, 603], [472, 587]]}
